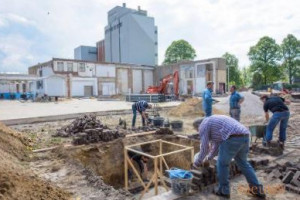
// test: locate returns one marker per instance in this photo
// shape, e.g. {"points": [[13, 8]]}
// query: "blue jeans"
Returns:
{"points": [[134, 116], [237, 148], [283, 118]]}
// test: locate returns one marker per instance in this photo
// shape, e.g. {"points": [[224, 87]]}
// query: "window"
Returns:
{"points": [[81, 67], [155, 43], [41, 73], [155, 31], [70, 67], [39, 84], [60, 66], [155, 55], [24, 87]]}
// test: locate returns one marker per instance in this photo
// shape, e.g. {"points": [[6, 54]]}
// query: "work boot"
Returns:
{"points": [[257, 191], [281, 144], [220, 194]]}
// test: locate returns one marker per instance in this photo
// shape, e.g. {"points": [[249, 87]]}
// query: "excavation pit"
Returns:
{"points": [[106, 159]]}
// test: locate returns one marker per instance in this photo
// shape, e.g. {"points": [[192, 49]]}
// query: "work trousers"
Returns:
{"points": [[237, 148], [283, 118], [235, 113], [134, 111]]}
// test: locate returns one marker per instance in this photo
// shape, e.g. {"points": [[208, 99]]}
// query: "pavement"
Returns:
{"points": [[10, 110]]}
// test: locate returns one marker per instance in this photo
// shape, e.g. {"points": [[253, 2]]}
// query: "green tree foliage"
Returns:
{"points": [[265, 57], [234, 73], [179, 50], [246, 77], [290, 48], [257, 80]]}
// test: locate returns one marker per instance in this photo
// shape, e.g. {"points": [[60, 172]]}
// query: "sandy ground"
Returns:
{"points": [[74, 179], [17, 109]]}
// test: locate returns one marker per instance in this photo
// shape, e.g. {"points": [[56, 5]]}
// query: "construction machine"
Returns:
{"points": [[162, 88]]}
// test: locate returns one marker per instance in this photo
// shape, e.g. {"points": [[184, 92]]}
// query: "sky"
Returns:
{"points": [[33, 31]]}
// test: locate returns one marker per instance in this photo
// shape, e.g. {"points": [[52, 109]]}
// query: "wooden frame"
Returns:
{"points": [[159, 160]]}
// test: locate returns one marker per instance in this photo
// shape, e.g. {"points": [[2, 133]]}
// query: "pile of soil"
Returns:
{"points": [[17, 182], [164, 131], [191, 107]]}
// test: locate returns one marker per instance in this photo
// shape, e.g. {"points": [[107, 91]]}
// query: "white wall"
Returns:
{"points": [[137, 81], [122, 81], [105, 71], [55, 86], [108, 88], [148, 79], [46, 71], [78, 84]]}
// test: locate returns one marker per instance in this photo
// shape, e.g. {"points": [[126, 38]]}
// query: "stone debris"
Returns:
{"points": [[164, 131], [87, 129], [274, 149], [289, 174], [207, 175]]}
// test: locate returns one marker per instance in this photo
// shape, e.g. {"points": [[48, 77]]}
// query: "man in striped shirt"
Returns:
{"points": [[229, 139], [141, 107]]}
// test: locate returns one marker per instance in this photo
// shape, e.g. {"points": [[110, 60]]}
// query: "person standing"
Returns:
{"points": [[235, 101], [141, 107], [280, 114], [224, 136], [207, 99]]}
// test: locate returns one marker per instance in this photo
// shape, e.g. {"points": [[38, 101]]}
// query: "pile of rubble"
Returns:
{"points": [[289, 173], [207, 175], [164, 131], [87, 129], [273, 149]]}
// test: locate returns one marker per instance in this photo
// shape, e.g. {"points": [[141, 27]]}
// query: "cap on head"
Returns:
{"points": [[197, 122], [263, 97]]}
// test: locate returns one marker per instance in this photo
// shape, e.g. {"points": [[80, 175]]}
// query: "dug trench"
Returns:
{"points": [[107, 159]]}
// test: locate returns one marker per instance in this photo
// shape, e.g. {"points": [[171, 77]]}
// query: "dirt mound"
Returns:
{"points": [[16, 182], [190, 107]]}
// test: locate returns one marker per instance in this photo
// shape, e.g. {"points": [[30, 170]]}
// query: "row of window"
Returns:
{"points": [[70, 67]]}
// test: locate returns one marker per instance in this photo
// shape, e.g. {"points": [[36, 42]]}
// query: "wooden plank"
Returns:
{"points": [[165, 163], [173, 152], [140, 134], [174, 144], [155, 176], [136, 172], [142, 143], [126, 169], [140, 153], [147, 186], [161, 178]]}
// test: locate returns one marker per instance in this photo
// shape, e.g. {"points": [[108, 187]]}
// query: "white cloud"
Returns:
{"points": [[211, 26]]}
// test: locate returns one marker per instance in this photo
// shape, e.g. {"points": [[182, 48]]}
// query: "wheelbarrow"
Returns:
{"points": [[258, 131]]}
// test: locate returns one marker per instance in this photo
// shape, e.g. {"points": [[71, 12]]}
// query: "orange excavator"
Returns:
{"points": [[162, 88]]}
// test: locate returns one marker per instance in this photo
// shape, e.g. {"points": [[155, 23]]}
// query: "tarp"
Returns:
{"points": [[176, 173]]}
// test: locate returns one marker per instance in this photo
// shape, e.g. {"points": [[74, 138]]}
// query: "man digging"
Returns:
{"points": [[229, 139], [140, 107]]}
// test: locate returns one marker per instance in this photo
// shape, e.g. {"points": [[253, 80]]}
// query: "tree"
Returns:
{"points": [[290, 48], [232, 64], [257, 80], [246, 76], [264, 57], [179, 50]]}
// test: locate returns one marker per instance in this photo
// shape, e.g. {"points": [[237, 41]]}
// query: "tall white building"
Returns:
{"points": [[130, 37]]}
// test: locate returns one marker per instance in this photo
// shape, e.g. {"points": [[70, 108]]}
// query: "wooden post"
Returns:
{"points": [[155, 176], [192, 155], [160, 158], [126, 168]]}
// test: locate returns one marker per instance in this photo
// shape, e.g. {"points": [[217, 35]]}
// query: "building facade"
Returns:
{"points": [[86, 53], [193, 75], [12, 86], [130, 37], [85, 78]]}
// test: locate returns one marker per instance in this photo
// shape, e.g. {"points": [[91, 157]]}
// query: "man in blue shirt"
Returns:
{"points": [[207, 99], [235, 103], [141, 107], [281, 113]]}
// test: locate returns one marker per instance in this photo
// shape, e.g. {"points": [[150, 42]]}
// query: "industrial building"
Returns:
{"points": [[86, 53], [130, 37], [77, 78], [194, 75]]}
